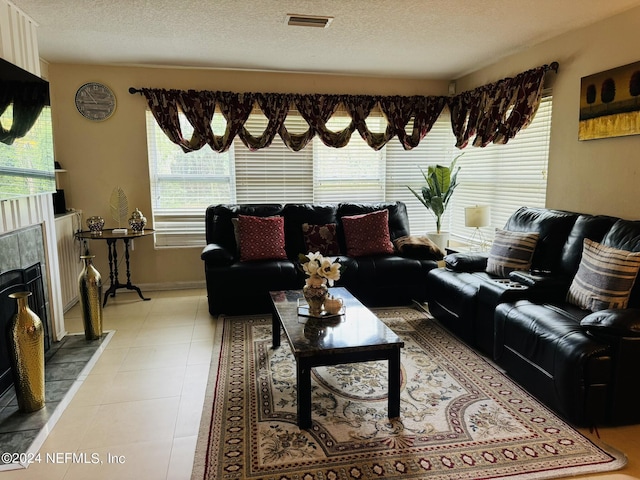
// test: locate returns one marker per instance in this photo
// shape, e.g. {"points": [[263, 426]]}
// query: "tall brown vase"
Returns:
{"points": [[26, 342], [90, 287]]}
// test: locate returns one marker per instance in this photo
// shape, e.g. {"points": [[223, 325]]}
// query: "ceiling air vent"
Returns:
{"points": [[308, 20]]}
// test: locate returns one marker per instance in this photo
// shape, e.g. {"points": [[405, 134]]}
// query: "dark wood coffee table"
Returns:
{"points": [[356, 336]]}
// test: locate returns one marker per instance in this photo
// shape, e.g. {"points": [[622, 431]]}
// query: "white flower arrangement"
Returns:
{"points": [[320, 269]]}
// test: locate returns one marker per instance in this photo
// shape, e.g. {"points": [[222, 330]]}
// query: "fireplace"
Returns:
{"points": [[22, 268], [23, 280]]}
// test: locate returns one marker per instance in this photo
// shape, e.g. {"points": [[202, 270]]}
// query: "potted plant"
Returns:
{"points": [[441, 181]]}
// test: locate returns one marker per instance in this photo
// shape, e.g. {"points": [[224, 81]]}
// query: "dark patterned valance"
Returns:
{"points": [[496, 112], [493, 113]]}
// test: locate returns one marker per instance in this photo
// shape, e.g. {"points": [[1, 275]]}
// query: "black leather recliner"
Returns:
{"points": [[235, 287], [581, 364]]}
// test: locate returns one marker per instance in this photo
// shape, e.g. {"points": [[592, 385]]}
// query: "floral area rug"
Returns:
{"points": [[460, 416]]}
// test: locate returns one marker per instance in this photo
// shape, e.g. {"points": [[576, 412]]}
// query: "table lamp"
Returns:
{"points": [[476, 217]]}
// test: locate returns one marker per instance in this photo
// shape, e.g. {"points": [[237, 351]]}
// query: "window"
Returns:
{"points": [[505, 177], [183, 185], [27, 165]]}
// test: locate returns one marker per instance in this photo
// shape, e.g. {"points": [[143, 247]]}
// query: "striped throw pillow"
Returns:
{"points": [[511, 251], [604, 278]]}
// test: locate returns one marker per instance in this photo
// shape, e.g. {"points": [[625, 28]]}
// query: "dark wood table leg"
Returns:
{"points": [[113, 271], [129, 285], [304, 393], [275, 330], [394, 383]]}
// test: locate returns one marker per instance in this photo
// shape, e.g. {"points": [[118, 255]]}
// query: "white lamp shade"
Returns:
{"points": [[478, 216]]}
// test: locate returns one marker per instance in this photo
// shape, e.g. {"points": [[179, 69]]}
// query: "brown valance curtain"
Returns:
{"points": [[28, 101], [200, 106], [493, 113]]}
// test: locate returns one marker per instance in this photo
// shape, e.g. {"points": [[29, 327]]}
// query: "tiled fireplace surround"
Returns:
{"points": [[19, 250]]}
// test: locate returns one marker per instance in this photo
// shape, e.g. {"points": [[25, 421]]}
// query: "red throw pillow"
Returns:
{"points": [[261, 238], [367, 234], [321, 238]]}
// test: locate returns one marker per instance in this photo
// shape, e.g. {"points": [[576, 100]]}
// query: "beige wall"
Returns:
{"points": [[101, 155], [595, 176]]}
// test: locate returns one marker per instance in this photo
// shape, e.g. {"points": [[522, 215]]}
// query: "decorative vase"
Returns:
{"points": [[90, 287], [26, 342], [95, 224], [137, 221], [315, 293]]}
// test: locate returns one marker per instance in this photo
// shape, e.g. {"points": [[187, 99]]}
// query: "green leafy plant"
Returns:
{"points": [[435, 195]]}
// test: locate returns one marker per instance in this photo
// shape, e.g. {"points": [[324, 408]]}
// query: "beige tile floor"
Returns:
{"points": [[142, 401]]}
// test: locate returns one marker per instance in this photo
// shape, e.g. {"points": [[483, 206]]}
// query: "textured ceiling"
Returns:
{"points": [[434, 39]]}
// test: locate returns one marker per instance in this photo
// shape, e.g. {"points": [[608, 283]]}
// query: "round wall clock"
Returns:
{"points": [[95, 101]]}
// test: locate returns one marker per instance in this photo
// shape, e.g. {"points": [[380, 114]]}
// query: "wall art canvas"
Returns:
{"points": [[610, 103]]}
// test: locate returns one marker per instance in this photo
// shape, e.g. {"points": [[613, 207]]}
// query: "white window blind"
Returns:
{"points": [[27, 165], [274, 174], [353, 173], [184, 185]]}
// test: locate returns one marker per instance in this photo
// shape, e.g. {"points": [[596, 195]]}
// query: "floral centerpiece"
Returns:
{"points": [[320, 271]]}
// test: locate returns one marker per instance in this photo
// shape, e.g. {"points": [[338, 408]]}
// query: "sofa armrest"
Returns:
{"points": [[624, 322], [535, 279], [217, 255], [466, 262]]}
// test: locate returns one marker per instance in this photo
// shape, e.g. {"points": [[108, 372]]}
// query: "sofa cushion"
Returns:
{"points": [[398, 218], [261, 238], [367, 234], [321, 238], [604, 278], [297, 214], [511, 251], [553, 226], [593, 227]]}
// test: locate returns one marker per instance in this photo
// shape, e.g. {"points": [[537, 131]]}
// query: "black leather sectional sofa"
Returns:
{"points": [[581, 363], [240, 287]]}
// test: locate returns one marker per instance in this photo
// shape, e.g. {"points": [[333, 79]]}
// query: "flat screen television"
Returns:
{"points": [[26, 136]]}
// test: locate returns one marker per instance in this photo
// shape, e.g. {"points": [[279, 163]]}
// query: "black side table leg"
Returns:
{"points": [[129, 285], [113, 271], [275, 330]]}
